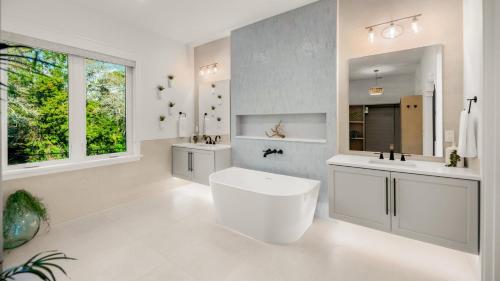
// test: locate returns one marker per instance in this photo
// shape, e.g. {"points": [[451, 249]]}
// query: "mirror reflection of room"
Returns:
{"points": [[395, 99]]}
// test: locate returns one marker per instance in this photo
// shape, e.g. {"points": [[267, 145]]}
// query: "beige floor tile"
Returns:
{"points": [[173, 236]]}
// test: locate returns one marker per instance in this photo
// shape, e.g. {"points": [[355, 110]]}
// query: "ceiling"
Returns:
{"points": [[388, 64], [192, 21]]}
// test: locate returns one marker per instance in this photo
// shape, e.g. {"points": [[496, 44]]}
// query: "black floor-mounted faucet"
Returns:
{"points": [[272, 151]]}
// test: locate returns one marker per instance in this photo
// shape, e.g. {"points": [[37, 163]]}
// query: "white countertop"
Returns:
{"points": [[420, 167], [202, 146]]}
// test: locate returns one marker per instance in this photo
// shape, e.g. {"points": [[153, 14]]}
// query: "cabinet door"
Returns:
{"points": [[202, 166], [360, 196], [439, 210], [181, 163]]}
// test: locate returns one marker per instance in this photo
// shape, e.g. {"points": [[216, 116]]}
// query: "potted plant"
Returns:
{"points": [[22, 216], [219, 122], [213, 86], [219, 99], [170, 107], [170, 80], [160, 90], [163, 121], [41, 265]]}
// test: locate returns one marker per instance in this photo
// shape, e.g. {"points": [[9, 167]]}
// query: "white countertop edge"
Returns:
{"points": [[423, 167], [200, 146]]}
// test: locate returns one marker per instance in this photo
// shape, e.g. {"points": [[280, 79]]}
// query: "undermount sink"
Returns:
{"points": [[392, 162]]}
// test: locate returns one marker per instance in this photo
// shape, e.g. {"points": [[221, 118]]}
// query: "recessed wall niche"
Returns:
{"points": [[301, 127]]}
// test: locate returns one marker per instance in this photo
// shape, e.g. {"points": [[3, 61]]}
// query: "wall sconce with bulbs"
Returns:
{"points": [[392, 29], [208, 69]]}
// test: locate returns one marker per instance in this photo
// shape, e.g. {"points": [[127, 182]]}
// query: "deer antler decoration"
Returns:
{"points": [[277, 131]]}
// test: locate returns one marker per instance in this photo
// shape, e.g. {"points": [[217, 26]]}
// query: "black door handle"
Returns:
{"points": [[386, 195], [192, 162], [394, 192]]}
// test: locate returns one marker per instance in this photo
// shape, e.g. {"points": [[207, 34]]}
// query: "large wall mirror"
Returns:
{"points": [[397, 99]]}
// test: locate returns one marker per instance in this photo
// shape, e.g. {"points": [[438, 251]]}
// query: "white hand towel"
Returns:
{"points": [[182, 127], [467, 145]]}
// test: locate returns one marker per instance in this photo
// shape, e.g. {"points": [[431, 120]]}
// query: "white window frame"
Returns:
{"points": [[77, 99]]}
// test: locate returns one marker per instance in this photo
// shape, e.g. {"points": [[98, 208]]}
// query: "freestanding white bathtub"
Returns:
{"points": [[269, 207]]}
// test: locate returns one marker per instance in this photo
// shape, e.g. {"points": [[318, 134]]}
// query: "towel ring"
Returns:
{"points": [[474, 99], [182, 114]]}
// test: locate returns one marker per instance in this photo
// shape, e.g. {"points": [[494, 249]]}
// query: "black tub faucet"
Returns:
{"points": [[217, 139], [272, 151], [391, 148]]}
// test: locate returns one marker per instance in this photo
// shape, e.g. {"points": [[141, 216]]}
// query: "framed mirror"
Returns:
{"points": [[397, 99]]}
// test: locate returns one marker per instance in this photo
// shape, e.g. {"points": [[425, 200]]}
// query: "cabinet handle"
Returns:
{"points": [[192, 162], [386, 195], [394, 192], [189, 161]]}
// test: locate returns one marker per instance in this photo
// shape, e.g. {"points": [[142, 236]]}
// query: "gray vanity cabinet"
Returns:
{"points": [[196, 162], [439, 210], [361, 196], [442, 211]]}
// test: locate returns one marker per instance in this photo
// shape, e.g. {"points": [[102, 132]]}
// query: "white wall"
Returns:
{"points": [[218, 51], [74, 194], [441, 24], [473, 66], [156, 57], [395, 87]]}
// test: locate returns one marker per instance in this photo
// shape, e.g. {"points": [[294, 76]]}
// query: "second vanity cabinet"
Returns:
{"points": [[439, 210], [196, 162]]}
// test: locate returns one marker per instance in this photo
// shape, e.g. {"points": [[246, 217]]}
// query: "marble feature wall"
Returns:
{"points": [[284, 65]]}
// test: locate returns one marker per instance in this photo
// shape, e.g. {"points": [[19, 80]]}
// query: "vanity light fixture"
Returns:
{"points": [[208, 69], [371, 35], [392, 29], [415, 26], [376, 91]]}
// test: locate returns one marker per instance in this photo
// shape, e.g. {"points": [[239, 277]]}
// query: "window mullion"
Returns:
{"points": [[77, 105]]}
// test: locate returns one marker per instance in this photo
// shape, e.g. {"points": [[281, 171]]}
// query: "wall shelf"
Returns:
{"points": [[285, 139], [297, 127]]}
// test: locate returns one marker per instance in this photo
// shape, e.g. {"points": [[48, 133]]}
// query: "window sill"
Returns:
{"points": [[66, 167]]}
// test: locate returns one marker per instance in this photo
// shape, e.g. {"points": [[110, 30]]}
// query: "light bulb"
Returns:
{"points": [[392, 31], [415, 26], [209, 71], [202, 72], [215, 69], [371, 35]]}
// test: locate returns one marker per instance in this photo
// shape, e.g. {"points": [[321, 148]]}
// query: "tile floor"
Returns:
{"points": [[173, 236]]}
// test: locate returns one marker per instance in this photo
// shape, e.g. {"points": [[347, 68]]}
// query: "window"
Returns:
{"points": [[64, 109], [106, 107], [37, 106]]}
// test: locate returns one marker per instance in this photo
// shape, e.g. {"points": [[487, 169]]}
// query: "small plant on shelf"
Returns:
{"points": [[219, 97], [454, 159], [170, 80], [213, 107], [171, 104], [160, 88], [219, 119], [163, 121]]}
